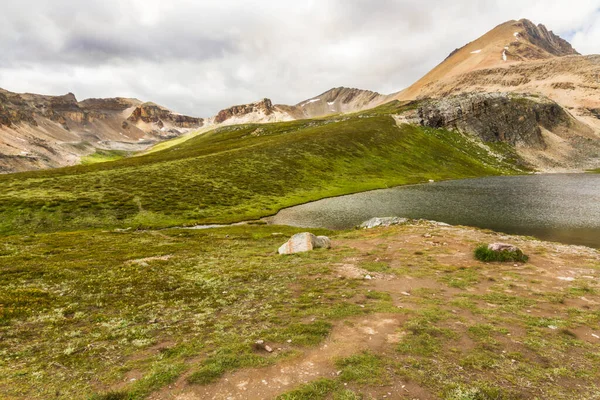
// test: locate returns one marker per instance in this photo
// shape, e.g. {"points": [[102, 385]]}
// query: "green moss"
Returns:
{"points": [[317, 390], [363, 368], [225, 359], [101, 156]]}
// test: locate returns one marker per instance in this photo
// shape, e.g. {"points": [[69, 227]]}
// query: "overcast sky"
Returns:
{"points": [[199, 56]]}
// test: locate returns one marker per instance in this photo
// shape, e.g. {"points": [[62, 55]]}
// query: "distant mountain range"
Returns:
{"points": [[39, 131]]}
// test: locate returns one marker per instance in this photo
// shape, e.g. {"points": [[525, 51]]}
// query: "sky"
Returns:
{"points": [[199, 56]]}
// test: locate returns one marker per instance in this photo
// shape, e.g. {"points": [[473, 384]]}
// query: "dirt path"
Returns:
{"points": [[373, 332]]}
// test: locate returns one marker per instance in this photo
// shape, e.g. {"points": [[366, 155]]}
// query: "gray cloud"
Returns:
{"points": [[197, 57]]}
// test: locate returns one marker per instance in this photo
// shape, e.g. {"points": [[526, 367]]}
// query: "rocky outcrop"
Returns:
{"points": [[543, 38], [38, 131], [151, 113], [383, 222], [112, 104], [264, 107], [495, 117]]}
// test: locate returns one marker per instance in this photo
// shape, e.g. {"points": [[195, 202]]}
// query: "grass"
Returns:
{"points": [[482, 253], [86, 309], [244, 172], [363, 368], [82, 313], [101, 156]]}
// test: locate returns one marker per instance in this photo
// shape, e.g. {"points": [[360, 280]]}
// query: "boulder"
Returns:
{"points": [[304, 241], [387, 221], [503, 247]]}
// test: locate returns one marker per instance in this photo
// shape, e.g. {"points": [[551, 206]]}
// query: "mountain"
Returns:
{"points": [[334, 101], [506, 44], [518, 56], [38, 131], [523, 58]]}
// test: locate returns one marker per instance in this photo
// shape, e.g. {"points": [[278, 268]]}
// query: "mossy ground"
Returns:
{"points": [[101, 156], [115, 314], [244, 172]]}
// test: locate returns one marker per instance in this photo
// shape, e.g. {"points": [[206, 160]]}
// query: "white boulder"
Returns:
{"points": [[304, 241], [386, 221]]}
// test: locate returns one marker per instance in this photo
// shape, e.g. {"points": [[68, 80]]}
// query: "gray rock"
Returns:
{"points": [[261, 345], [496, 117], [304, 241], [503, 247], [386, 221]]}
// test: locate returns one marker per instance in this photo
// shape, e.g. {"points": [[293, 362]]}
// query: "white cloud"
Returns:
{"points": [[198, 57]]}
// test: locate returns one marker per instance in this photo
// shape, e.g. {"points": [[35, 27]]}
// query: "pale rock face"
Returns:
{"points": [[503, 247], [302, 242], [386, 221]]}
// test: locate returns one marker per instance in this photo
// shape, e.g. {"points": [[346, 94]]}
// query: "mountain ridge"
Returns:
{"points": [[43, 131], [516, 56]]}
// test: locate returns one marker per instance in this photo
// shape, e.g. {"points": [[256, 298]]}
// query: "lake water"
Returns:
{"points": [[557, 207]]}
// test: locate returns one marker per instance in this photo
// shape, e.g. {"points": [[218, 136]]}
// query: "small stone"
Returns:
{"points": [[405, 293], [261, 345], [553, 327], [386, 221], [368, 277]]}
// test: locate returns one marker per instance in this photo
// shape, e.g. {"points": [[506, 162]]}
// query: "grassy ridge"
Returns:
{"points": [[241, 172]]}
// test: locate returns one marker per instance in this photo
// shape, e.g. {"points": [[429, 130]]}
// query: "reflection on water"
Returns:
{"points": [[558, 207]]}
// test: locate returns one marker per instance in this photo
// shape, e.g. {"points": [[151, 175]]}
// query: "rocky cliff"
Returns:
{"points": [[150, 113], [544, 39], [496, 117], [38, 131], [543, 133], [263, 108]]}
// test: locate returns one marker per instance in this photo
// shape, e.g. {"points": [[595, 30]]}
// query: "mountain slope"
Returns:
{"points": [[246, 172], [523, 58], [38, 131], [506, 44]]}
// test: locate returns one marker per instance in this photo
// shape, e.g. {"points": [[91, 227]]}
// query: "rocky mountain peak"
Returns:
{"points": [[264, 106], [541, 37], [151, 113]]}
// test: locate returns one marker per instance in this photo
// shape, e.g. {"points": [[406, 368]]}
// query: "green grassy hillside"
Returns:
{"points": [[243, 172]]}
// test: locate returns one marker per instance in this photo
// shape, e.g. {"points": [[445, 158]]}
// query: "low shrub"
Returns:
{"points": [[482, 253]]}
